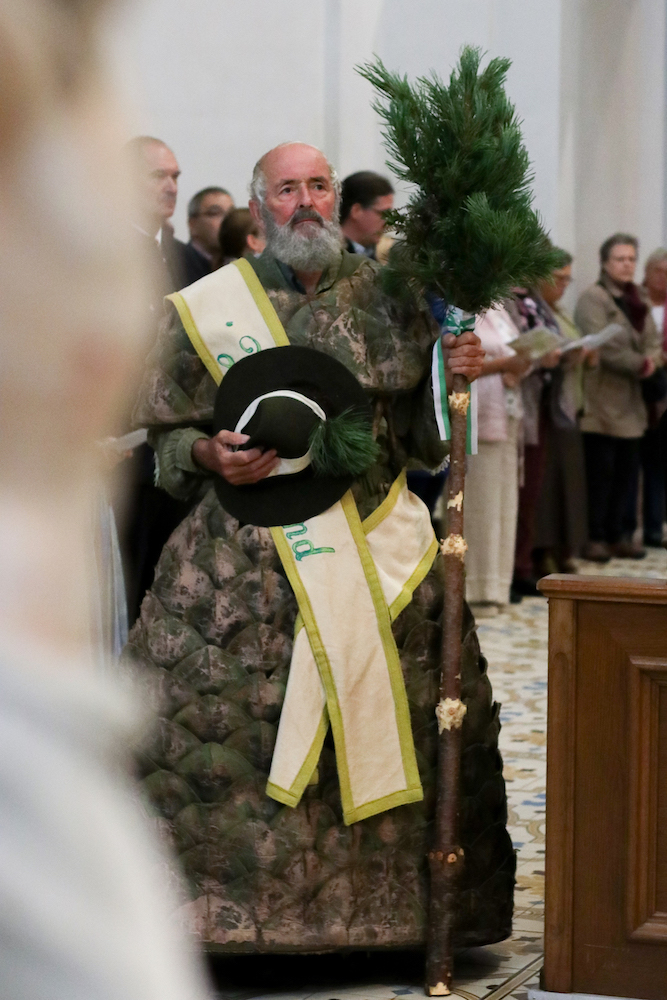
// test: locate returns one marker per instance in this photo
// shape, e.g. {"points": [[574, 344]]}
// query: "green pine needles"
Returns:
{"points": [[468, 233], [343, 445]]}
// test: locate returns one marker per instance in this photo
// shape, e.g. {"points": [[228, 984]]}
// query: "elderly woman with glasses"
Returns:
{"points": [[560, 527]]}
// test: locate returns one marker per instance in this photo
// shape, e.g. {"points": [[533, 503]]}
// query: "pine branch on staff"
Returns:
{"points": [[468, 232], [469, 235]]}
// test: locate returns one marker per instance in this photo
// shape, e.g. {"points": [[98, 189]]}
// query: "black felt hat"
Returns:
{"points": [[311, 409]]}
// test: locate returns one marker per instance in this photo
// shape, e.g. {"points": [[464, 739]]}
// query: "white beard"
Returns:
{"points": [[313, 250]]}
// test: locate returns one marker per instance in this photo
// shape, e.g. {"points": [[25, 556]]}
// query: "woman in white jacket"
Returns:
{"points": [[493, 474]]}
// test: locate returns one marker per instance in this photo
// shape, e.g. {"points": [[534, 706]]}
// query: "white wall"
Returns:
{"points": [[222, 81], [612, 136]]}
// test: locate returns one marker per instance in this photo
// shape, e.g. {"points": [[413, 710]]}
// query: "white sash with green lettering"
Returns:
{"points": [[351, 579]]}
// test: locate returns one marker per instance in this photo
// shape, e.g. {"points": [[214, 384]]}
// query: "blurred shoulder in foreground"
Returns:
{"points": [[82, 906]]}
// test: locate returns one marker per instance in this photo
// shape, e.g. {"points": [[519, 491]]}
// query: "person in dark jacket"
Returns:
{"points": [[364, 197], [207, 210], [615, 414], [146, 516], [156, 171]]}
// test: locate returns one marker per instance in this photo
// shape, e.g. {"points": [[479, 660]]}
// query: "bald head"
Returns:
{"points": [[294, 196], [285, 161], [156, 171]]}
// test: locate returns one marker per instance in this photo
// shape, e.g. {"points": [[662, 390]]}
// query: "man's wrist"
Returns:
{"points": [[183, 457], [198, 453]]}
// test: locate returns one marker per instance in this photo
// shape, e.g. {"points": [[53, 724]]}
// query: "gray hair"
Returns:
{"points": [[257, 186], [657, 257]]}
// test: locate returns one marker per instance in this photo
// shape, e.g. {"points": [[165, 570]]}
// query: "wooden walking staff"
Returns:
{"points": [[467, 235], [446, 858]]}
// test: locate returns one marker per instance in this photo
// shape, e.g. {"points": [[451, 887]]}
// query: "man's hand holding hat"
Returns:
{"points": [[240, 468], [218, 454]]}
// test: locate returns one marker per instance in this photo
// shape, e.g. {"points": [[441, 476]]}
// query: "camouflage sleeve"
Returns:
{"points": [[176, 389], [413, 417], [400, 334], [176, 404], [177, 473]]}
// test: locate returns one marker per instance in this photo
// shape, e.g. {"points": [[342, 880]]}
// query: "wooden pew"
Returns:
{"points": [[606, 835]]}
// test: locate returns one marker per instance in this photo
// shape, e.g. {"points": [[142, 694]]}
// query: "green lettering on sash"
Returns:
{"points": [[250, 349], [226, 360], [300, 553], [297, 529]]}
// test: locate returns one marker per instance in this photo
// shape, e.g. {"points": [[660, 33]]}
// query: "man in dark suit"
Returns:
{"points": [[156, 172], [148, 515], [364, 197], [206, 210]]}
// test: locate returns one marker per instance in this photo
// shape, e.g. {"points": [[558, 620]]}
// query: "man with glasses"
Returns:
{"points": [[206, 210], [365, 196]]}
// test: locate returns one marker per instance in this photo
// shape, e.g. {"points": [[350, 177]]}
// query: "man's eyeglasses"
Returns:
{"points": [[214, 212]]}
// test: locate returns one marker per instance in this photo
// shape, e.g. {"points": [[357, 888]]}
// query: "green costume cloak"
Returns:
{"points": [[213, 647]]}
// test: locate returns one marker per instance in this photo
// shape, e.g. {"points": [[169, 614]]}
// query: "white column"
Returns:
{"points": [[612, 134]]}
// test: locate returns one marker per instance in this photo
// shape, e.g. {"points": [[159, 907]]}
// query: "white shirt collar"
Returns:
{"points": [[157, 237]]}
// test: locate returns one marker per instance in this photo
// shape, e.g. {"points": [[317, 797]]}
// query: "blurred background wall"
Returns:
{"points": [[221, 81]]}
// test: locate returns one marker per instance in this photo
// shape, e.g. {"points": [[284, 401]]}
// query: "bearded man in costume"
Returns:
{"points": [[292, 840]]}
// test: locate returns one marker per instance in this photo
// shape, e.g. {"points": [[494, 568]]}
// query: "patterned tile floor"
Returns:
{"points": [[515, 644]]}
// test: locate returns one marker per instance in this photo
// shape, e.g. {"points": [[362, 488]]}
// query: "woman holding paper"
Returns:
{"points": [[561, 519], [493, 474], [540, 333], [615, 415]]}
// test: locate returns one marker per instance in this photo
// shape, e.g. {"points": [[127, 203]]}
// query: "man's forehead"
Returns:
{"points": [[216, 198], [295, 162], [159, 156]]}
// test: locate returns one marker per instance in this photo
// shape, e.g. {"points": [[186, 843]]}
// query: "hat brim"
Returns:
{"points": [[290, 499]]}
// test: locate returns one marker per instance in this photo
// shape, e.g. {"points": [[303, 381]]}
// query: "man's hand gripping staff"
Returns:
{"points": [[221, 454]]}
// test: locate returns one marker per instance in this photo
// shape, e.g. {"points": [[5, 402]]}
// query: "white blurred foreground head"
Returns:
{"points": [[84, 912], [71, 291]]}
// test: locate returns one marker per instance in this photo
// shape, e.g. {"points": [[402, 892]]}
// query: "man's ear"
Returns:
{"points": [[356, 211], [255, 243], [256, 212]]}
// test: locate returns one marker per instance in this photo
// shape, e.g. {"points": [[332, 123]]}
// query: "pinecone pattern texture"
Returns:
{"points": [[212, 651]]}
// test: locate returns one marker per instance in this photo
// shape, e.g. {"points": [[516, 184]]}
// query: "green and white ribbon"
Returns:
{"points": [[456, 322]]}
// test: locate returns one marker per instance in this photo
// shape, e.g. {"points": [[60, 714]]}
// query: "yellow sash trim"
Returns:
{"points": [[223, 286], [263, 302], [423, 566], [382, 538], [382, 512], [227, 315], [308, 769], [411, 585], [361, 532], [199, 345], [411, 790]]}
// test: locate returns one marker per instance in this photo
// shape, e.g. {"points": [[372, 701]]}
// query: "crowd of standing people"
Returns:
{"points": [[220, 232], [569, 427], [570, 458]]}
